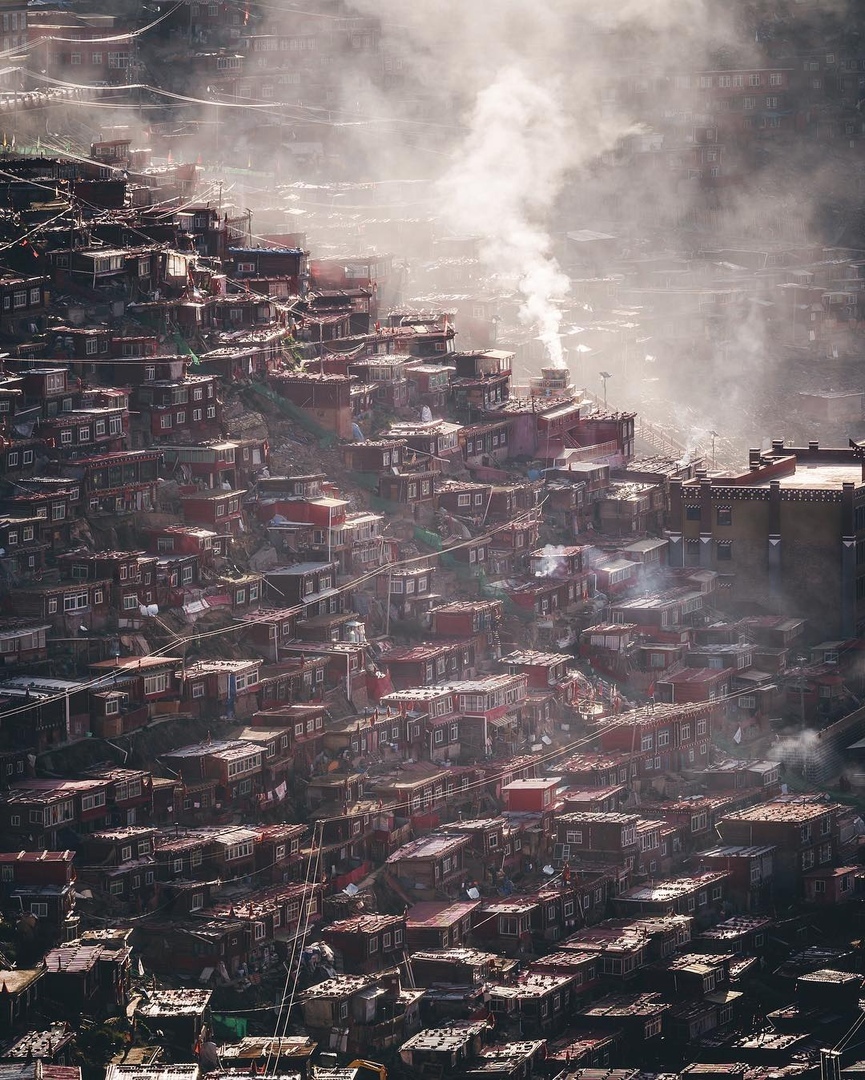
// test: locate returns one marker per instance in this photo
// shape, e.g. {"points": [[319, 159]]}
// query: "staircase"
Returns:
{"points": [[659, 439]]}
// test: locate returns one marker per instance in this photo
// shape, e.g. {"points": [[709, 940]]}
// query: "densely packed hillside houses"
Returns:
{"points": [[376, 692]]}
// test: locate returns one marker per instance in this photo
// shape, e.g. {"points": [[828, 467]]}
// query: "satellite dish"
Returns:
{"points": [[473, 893], [549, 869]]}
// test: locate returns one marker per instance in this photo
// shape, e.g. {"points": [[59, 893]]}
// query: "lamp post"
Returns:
{"points": [[715, 435], [800, 660], [604, 376]]}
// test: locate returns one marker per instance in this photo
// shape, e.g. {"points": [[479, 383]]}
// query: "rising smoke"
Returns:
{"points": [[501, 185], [532, 87], [517, 124]]}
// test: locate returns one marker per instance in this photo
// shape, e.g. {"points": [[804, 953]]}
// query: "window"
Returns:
{"points": [[754, 80], [724, 550], [692, 513], [156, 684], [39, 909], [725, 515], [126, 853]]}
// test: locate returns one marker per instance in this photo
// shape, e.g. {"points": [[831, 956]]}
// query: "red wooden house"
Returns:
{"points": [[374, 455], [148, 680], [694, 684], [187, 540], [426, 664], [530, 795], [89, 799], [104, 430], [365, 943], [428, 866], [545, 672], [234, 765], [431, 924], [219, 687], [666, 739], [219, 510]]}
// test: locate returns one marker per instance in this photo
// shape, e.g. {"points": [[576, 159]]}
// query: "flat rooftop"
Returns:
{"points": [[819, 475]]}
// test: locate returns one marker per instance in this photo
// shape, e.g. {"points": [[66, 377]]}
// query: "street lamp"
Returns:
{"points": [[801, 660], [715, 435], [605, 375]]}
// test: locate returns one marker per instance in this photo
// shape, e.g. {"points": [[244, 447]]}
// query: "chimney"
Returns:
{"points": [[777, 446], [754, 458], [813, 447]]}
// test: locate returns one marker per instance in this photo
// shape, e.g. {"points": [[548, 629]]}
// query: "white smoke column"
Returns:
{"points": [[502, 184], [548, 564]]}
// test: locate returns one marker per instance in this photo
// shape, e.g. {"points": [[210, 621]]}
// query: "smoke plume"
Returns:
{"points": [[501, 186]]}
